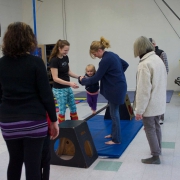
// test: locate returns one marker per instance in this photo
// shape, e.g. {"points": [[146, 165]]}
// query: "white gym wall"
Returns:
{"points": [[10, 11], [120, 21]]}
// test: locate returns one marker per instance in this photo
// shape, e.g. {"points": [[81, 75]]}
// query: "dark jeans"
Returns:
{"points": [[29, 151], [46, 157], [116, 128]]}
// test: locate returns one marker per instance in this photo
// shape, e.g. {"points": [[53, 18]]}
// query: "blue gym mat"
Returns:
{"points": [[101, 98], [169, 94], [99, 128]]}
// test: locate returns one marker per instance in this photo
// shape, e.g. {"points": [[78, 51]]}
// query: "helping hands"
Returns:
{"points": [[73, 85], [80, 79]]}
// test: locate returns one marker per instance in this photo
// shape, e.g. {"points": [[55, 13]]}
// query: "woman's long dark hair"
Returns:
{"points": [[18, 40]]}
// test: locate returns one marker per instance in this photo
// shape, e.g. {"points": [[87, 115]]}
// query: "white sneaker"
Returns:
{"points": [[161, 122]]}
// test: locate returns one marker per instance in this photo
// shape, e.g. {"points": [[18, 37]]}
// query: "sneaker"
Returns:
{"points": [[152, 160], [161, 122]]}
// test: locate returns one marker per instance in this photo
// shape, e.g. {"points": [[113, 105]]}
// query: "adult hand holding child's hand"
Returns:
{"points": [[73, 85]]}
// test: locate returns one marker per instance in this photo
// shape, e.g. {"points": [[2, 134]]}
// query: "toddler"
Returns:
{"points": [[92, 90]]}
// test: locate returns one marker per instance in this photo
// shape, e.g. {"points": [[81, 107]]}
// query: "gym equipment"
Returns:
{"points": [[76, 147], [125, 110]]}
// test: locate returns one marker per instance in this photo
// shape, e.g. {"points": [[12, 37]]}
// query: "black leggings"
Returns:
{"points": [[29, 151], [46, 158]]}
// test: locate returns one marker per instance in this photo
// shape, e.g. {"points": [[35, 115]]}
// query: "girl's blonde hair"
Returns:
{"points": [[92, 67], [142, 45], [96, 45], [59, 44]]}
